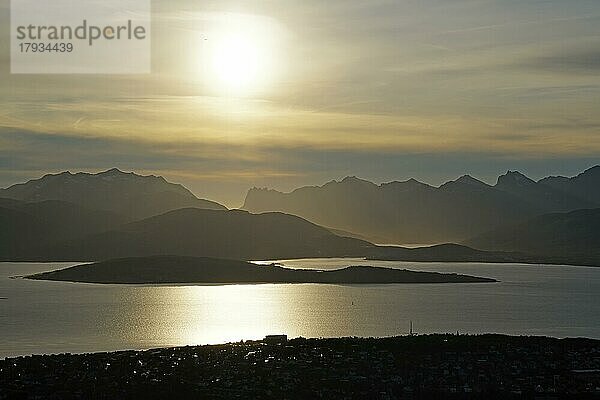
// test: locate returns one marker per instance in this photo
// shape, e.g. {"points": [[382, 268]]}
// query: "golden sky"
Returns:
{"points": [[284, 93]]}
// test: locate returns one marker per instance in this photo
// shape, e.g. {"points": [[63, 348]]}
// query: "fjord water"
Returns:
{"points": [[52, 317]]}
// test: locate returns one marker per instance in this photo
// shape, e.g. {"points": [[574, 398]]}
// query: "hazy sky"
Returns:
{"points": [[381, 89]]}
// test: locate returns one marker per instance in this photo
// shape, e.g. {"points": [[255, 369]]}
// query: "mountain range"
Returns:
{"points": [[127, 194], [116, 214], [231, 234], [112, 214], [414, 212], [572, 235], [25, 226]]}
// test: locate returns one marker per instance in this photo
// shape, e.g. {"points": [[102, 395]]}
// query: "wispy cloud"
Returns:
{"points": [[364, 84], [521, 23], [569, 61]]}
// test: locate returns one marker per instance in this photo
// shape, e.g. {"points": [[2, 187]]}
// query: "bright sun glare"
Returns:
{"points": [[237, 62], [240, 58]]}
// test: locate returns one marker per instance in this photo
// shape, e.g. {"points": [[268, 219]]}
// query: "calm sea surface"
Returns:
{"points": [[52, 317]]}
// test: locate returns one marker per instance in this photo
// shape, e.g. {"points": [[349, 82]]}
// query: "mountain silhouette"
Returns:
{"points": [[128, 194], [209, 233], [25, 227], [585, 185], [573, 234], [105, 218], [447, 252], [545, 197], [414, 212], [57, 231]]}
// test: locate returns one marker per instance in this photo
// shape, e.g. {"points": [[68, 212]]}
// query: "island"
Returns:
{"points": [[205, 270]]}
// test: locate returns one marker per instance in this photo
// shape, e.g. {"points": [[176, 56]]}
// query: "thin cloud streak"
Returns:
{"points": [[364, 86], [520, 23]]}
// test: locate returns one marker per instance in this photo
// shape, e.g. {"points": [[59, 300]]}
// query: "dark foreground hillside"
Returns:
{"points": [[409, 367]]}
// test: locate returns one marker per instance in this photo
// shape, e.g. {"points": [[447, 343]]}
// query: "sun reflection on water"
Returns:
{"points": [[190, 315], [203, 314], [235, 312]]}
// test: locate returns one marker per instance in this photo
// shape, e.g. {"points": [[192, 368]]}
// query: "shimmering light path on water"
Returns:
{"points": [[51, 317]]}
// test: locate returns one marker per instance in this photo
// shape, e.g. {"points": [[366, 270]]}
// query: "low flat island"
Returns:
{"points": [[203, 270]]}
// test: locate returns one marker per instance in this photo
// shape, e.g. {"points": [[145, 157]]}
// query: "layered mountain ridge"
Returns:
{"points": [[112, 214], [414, 212], [128, 194]]}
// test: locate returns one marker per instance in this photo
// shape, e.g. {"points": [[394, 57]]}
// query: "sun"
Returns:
{"points": [[237, 62], [241, 55], [240, 64]]}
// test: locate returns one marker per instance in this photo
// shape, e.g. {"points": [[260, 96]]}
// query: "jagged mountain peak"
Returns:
{"points": [[407, 185], [514, 178], [595, 171], [124, 193], [465, 180], [348, 181], [112, 171], [468, 179], [410, 211], [354, 179], [109, 173]]}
